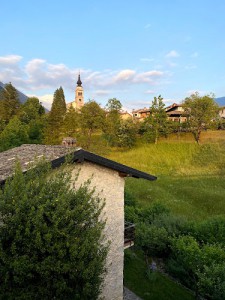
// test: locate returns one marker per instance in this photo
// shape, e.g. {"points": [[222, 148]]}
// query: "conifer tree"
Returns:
{"points": [[9, 102], [55, 118]]}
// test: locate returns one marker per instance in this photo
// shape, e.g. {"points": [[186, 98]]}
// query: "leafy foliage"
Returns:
{"points": [[14, 134], [155, 125], [201, 112], [50, 237], [91, 119]]}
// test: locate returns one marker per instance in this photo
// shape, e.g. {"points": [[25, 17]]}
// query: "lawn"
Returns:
{"points": [[150, 286]]}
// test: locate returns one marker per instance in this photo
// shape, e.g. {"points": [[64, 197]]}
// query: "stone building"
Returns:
{"points": [[108, 178], [78, 102]]}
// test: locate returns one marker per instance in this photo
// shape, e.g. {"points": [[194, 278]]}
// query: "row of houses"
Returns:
{"points": [[175, 113]]}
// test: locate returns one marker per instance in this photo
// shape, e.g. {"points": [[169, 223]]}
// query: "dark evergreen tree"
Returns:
{"points": [[9, 102], [53, 134]]}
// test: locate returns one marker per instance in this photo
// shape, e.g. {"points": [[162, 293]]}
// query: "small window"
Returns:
{"points": [[79, 93], [80, 100]]}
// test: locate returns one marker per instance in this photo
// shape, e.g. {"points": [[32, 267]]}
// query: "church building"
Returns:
{"points": [[78, 102]]}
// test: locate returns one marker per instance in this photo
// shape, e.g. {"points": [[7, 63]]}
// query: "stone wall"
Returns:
{"points": [[110, 186]]}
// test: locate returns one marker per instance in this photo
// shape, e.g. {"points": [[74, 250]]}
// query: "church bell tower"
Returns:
{"points": [[79, 94]]}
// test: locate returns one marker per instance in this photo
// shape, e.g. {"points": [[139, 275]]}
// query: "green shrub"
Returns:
{"points": [[50, 238]]}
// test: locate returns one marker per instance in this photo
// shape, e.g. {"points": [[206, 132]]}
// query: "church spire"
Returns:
{"points": [[79, 82]]}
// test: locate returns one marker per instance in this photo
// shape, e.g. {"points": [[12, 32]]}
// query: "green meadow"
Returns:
{"points": [[190, 182], [190, 177]]}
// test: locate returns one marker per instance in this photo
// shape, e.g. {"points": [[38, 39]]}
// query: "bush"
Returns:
{"points": [[50, 238]]}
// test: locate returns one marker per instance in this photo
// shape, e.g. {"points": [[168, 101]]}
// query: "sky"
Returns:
{"points": [[129, 50]]}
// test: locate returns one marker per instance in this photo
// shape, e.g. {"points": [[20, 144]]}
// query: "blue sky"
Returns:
{"points": [[131, 50]]}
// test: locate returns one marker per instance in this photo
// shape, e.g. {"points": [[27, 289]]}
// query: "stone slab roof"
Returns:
{"points": [[28, 154]]}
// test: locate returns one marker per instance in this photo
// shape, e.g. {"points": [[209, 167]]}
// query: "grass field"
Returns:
{"points": [[191, 183], [191, 177]]}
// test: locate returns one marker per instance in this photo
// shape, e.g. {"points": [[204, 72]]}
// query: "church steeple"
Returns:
{"points": [[79, 94], [79, 82]]}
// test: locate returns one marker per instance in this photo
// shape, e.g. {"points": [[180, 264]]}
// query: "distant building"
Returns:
{"points": [[78, 102], [222, 112], [175, 113], [125, 115], [141, 114]]}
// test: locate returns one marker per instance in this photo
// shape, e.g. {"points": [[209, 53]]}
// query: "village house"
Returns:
{"points": [[175, 113], [141, 114], [108, 178], [222, 112], [125, 115]]}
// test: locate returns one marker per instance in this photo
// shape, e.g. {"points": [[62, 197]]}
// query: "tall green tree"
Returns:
{"points": [[51, 237], [32, 109], [200, 111], [32, 113], [14, 134], [9, 102], [71, 122], [53, 134], [156, 123], [126, 134], [92, 118], [112, 124], [113, 104]]}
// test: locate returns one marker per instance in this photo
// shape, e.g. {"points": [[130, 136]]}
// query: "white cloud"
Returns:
{"points": [[38, 76], [10, 59], [101, 93], [124, 75], [148, 76], [172, 54], [46, 100]]}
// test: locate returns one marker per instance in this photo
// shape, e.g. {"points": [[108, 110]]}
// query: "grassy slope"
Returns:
{"points": [[191, 178], [191, 181]]}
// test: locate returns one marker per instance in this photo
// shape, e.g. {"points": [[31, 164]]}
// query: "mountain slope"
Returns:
{"points": [[220, 101], [22, 97]]}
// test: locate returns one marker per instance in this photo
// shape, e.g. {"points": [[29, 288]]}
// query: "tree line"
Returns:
{"points": [[29, 122]]}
